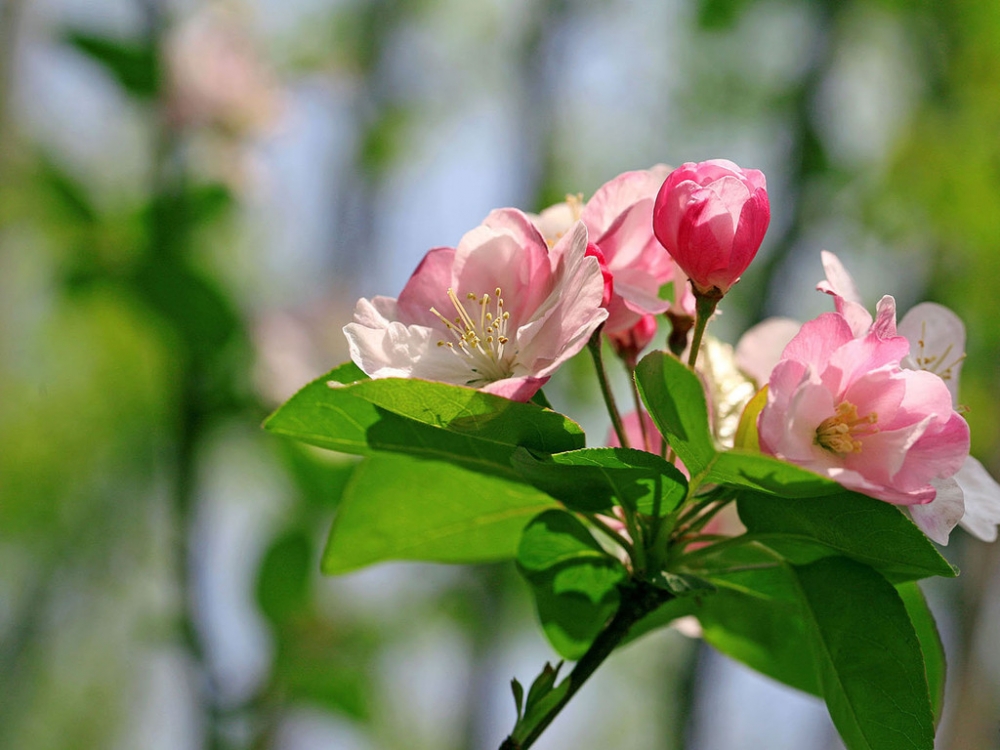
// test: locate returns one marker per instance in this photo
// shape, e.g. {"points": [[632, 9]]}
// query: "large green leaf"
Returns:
{"points": [[675, 399], [402, 508], [930, 642], [870, 663], [575, 582], [591, 479], [757, 471], [834, 628], [431, 420], [846, 523], [755, 614]]}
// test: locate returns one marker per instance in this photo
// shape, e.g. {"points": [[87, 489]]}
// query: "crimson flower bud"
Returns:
{"points": [[711, 217], [629, 343]]}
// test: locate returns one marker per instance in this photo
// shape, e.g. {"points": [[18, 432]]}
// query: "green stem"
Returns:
{"points": [[705, 305], [594, 345], [638, 599], [647, 444]]}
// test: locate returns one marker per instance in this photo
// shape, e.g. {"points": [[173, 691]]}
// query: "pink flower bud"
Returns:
{"points": [[630, 342], [711, 217], [593, 251]]}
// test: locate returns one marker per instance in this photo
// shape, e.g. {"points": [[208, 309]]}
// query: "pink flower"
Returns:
{"points": [[844, 407], [936, 335], [711, 217], [619, 220], [500, 312]]}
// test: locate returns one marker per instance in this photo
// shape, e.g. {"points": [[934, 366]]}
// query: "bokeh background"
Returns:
{"points": [[192, 196]]}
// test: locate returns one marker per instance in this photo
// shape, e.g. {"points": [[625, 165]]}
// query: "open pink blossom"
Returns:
{"points": [[844, 407], [711, 217], [501, 312], [970, 498], [619, 220]]}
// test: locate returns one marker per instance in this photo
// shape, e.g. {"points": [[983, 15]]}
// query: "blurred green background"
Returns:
{"points": [[192, 196]]}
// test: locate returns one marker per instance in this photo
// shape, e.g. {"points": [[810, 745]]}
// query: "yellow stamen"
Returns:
{"points": [[841, 433]]}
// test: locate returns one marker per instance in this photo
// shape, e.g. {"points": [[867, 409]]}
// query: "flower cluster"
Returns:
{"points": [[852, 396]]}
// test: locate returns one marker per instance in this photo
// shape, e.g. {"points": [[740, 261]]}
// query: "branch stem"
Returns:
{"points": [[638, 599], [594, 345]]}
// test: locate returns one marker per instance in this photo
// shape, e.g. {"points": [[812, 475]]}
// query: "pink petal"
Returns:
{"points": [[860, 356], [508, 252], [616, 196], [516, 389], [885, 318], [939, 453], [847, 301], [753, 222], [818, 339], [427, 288], [564, 322]]}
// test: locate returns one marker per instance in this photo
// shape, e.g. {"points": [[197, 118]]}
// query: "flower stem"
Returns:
{"points": [[705, 305], [638, 599], [647, 443], [594, 345]]}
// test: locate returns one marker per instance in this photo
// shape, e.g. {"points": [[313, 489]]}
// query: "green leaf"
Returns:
{"points": [[539, 711], [675, 398], [591, 479], [870, 664], [518, 690], [319, 476], [346, 374], [134, 65], [755, 614], [542, 685], [870, 531], [283, 578], [575, 582], [402, 508], [431, 420], [930, 643], [759, 472]]}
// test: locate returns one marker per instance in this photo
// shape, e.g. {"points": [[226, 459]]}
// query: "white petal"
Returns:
{"points": [[386, 352], [938, 517], [760, 348], [838, 281], [937, 342], [982, 500]]}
